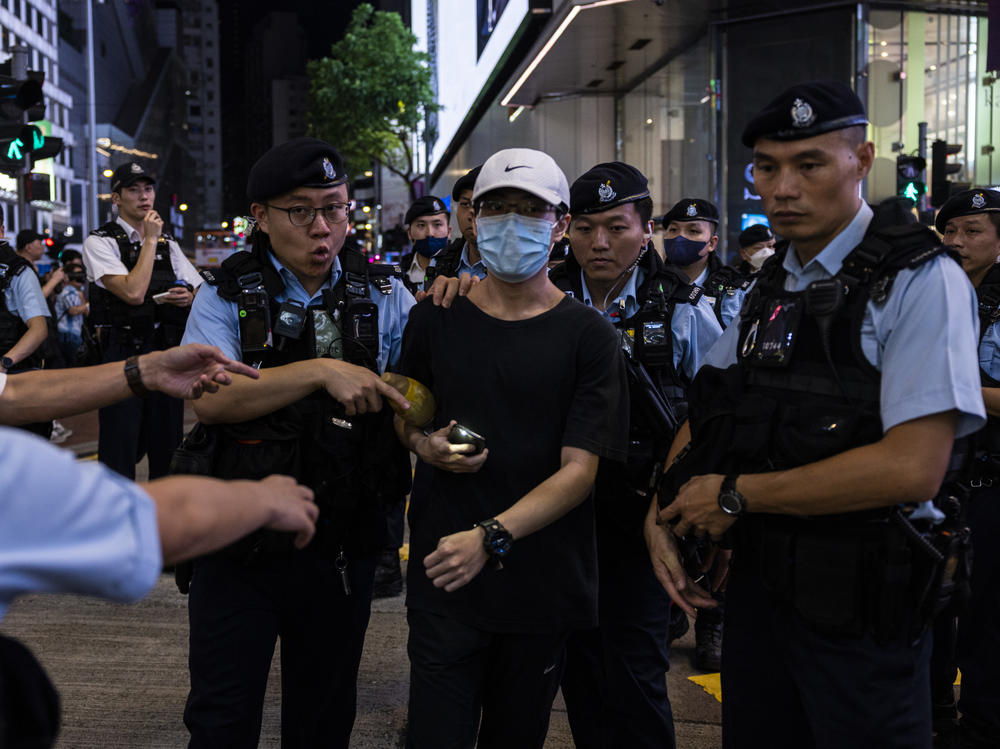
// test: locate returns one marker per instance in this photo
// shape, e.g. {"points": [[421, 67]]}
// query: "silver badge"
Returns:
{"points": [[328, 169], [692, 210], [978, 200], [437, 206], [136, 169], [802, 113], [605, 193]]}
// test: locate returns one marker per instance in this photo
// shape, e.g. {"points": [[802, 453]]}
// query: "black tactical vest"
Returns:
{"points": [[722, 282], [987, 440], [354, 465], [108, 310], [12, 327]]}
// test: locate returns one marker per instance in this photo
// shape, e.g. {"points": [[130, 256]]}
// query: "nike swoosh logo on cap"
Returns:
{"points": [[510, 168]]}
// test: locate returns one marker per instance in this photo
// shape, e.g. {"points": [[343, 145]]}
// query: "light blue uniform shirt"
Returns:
{"points": [[731, 301], [24, 296], [693, 327], [923, 338], [464, 266], [71, 527], [215, 321], [989, 351]]}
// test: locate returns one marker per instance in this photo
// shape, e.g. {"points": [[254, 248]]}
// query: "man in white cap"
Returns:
{"points": [[502, 542]]}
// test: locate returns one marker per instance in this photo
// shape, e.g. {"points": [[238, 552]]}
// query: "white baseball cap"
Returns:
{"points": [[524, 169]]}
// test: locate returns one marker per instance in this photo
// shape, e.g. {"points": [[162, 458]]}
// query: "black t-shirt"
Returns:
{"points": [[529, 387]]}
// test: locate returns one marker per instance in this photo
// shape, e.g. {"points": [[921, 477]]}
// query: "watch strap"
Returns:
{"points": [[134, 378]]}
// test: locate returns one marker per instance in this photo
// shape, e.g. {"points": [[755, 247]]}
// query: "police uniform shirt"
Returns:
{"points": [[693, 327], [101, 257], [215, 321], [731, 303], [989, 351], [922, 338], [464, 266], [71, 527], [24, 296]]}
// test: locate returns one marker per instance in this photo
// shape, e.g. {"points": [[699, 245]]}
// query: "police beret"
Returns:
{"points": [[466, 182], [300, 162], [754, 234], [968, 203], [26, 237], [691, 209], [607, 186], [128, 174], [428, 205], [806, 110]]}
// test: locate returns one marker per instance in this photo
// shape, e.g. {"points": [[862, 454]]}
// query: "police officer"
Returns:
{"points": [[970, 224], [24, 318], [614, 682], [141, 287], [756, 245], [832, 447], [427, 226], [462, 255], [321, 322]]}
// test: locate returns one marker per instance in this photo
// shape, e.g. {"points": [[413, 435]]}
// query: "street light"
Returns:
{"points": [[182, 207], [108, 173], [225, 224]]}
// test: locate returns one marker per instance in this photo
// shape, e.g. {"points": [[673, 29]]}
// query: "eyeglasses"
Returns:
{"points": [[304, 215], [532, 208]]}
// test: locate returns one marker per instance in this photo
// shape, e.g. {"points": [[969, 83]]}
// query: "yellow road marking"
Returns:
{"points": [[711, 683]]}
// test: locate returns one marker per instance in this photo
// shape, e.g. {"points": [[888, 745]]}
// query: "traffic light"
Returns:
{"points": [[49, 147], [20, 96], [910, 176], [941, 168]]}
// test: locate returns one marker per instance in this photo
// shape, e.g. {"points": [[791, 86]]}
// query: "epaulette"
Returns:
{"points": [[242, 270]]}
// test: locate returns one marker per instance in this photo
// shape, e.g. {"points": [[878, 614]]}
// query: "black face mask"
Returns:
{"points": [[429, 246]]}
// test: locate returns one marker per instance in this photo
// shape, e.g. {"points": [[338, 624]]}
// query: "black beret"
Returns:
{"points": [[466, 182], [806, 110], [691, 209], [754, 234], [300, 162], [607, 186], [128, 174], [428, 205], [968, 203]]}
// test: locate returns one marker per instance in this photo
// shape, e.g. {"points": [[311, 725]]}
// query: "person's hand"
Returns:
{"points": [[179, 296], [445, 288], [190, 370], [697, 508], [292, 508], [436, 450], [152, 225], [358, 389], [669, 570], [457, 559], [58, 275]]}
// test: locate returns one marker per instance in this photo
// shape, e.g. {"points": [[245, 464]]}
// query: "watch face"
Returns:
{"points": [[500, 543], [731, 503]]}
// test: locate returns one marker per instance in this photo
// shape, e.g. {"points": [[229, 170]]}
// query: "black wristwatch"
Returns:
{"points": [[497, 540], [731, 501], [7, 363]]}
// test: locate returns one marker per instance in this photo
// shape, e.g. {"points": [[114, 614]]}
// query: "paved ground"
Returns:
{"points": [[122, 671]]}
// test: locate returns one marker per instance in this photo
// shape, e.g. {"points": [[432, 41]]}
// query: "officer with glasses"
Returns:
{"points": [[321, 323]]}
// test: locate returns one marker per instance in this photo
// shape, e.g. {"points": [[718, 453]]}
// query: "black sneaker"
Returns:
{"points": [[708, 641], [388, 575]]}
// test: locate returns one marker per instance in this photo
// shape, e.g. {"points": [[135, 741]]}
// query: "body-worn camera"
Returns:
{"points": [[255, 321], [460, 435]]}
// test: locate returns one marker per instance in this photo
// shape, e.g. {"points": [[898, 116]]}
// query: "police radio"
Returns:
{"points": [[255, 320], [361, 324]]}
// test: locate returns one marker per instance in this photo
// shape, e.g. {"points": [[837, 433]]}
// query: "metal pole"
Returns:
{"points": [[90, 217], [19, 71]]}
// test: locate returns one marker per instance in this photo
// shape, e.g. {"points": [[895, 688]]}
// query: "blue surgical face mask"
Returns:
{"points": [[513, 247], [429, 246], [683, 251]]}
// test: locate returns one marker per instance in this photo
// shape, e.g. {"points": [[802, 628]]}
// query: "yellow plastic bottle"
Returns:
{"points": [[421, 400]]}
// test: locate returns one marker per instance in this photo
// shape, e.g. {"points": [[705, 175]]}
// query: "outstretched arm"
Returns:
{"points": [[197, 515], [183, 372]]}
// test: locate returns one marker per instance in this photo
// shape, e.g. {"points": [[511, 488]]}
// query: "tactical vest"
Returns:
{"points": [[107, 310], [649, 336], [724, 281], [446, 262], [986, 442], [354, 465], [12, 327]]}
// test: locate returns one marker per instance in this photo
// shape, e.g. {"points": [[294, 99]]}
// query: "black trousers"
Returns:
{"points": [[135, 427], [784, 686], [615, 682], [979, 627], [465, 681], [236, 614]]}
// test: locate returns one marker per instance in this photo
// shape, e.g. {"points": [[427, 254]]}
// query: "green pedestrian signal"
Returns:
{"points": [[14, 150]]}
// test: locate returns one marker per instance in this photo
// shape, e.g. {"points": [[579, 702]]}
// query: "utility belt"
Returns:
{"points": [[855, 575]]}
